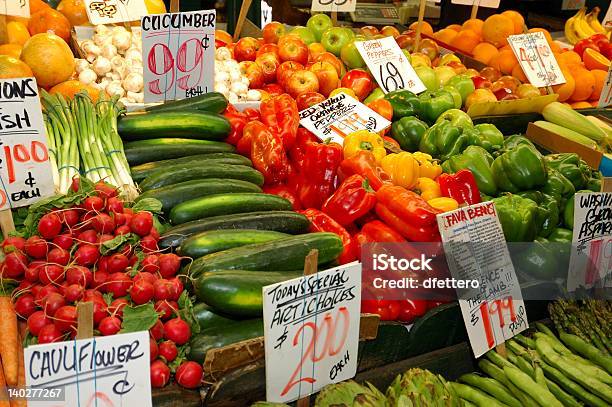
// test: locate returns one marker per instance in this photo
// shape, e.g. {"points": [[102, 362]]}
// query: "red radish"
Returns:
{"points": [[25, 286], [126, 250], [64, 241], [189, 375], [103, 223], [93, 296], [114, 205], [93, 204], [153, 351], [100, 311], [128, 211], [149, 244], [105, 238], [141, 223], [15, 265], [160, 374], [65, 318], [177, 288], [163, 290], [68, 217], [133, 260], [51, 274], [25, 306], [117, 263], [99, 280], [141, 292], [86, 219], [48, 334], [166, 309], [123, 230], [42, 292], [157, 330], [13, 243], [109, 326], [49, 226], [74, 292], [79, 275], [88, 236], [74, 185], [58, 256], [52, 302], [150, 278], [31, 273], [116, 307], [36, 321], [150, 264], [154, 233], [86, 255], [36, 247], [169, 264], [103, 264], [177, 331], [168, 350], [118, 284], [119, 219], [105, 190]]}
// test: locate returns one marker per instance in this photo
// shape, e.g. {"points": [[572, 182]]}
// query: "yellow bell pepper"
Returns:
{"points": [[444, 204], [428, 188], [429, 167], [348, 91], [402, 168], [364, 140]]}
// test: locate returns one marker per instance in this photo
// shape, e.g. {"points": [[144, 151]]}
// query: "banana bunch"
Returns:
{"points": [[583, 25]]}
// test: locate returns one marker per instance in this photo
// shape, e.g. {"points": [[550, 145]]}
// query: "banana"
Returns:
{"points": [[583, 29], [592, 19], [570, 30]]}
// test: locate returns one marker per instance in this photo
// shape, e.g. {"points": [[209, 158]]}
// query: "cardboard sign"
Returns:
{"points": [[476, 250], [481, 3], [102, 371], [18, 8], [537, 59], [345, 6], [389, 65], [605, 99], [339, 116], [25, 169], [591, 258], [311, 332], [178, 50], [114, 11], [266, 14]]}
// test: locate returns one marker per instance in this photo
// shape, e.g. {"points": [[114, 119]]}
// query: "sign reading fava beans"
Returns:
{"points": [[178, 53], [25, 169]]}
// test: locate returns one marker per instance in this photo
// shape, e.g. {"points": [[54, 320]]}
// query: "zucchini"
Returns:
{"points": [[173, 195], [186, 172], [223, 336], [280, 221], [213, 102], [144, 151], [208, 318], [238, 293], [284, 253], [142, 171], [191, 124], [226, 204], [216, 240]]}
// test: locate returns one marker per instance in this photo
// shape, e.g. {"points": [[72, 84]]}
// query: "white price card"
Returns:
{"points": [[311, 332], [572, 4], [476, 251], [102, 371], [340, 115], [25, 169], [114, 11], [17, 8], [178, 51], [266, 13], [389, 65], [591, 257], [345, 6], [537, 59], [607, 21], [481, 3], [605, 99]]}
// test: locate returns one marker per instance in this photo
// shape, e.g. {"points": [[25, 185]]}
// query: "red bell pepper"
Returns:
{"points": [[318, 173], [267, 153], [353, 199], [303, 137], [378, 231], [321, 222], [364, 164], [461, 186], [284, 191], [392, 141], [237, 122], [280, 113], [411, 310], [388, 310]]}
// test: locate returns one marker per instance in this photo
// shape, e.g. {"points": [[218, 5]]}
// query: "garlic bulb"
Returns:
{"points": [[81, 65], [87, 76], [134, 82], [133, 53], [122, 40], [102, 66], [109, 51]]}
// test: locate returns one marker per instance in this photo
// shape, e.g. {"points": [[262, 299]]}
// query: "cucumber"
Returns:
{"points": [[142, 171], [238, 293], [213, 102], [208, 318], [187, 172], [216, 240], [223, 336], [191, 124], [226, 204], [144, 151], [280, 221], [284, 253]]}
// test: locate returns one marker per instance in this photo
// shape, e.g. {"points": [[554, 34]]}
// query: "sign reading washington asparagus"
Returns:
{"points": [[19, 8], [536, 59], [25, 170], [114, 11], [102, 371], [178, 51], [339, 116], [476, 249], [591, 258], [311, 330]]}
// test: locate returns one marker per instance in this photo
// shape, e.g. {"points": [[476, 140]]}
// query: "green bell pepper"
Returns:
{"points": [[547, 217], [568, 210], [404, 103], [477, 160], [558, 186], [519, 169], [408, 132], [511, 142], [561, 235], [517, 216], [463, 84], [571, 166], [487, 136], [456, 95], [594, 181], [374, 95], [456, 117], [443, 140], [433, 104], [538, 260]]}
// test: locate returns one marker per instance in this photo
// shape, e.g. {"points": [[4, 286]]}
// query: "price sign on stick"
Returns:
{"points": [[481, 3], [605, 99], [178, 53], [339, 116], [311, 332], [476, 251], [345, 6], [25, 169], [389, 65], [536, 59], [266, 13], [114, 11], [607, 21], [18, 8]]}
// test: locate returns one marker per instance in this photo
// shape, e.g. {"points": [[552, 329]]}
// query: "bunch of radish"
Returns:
{"points": [[63, 264]]}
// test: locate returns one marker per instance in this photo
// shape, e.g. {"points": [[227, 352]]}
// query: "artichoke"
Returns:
{"points": [[350, 394], [421, 388]]}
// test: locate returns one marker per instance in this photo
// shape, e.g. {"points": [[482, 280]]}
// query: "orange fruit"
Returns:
{"points": [[50, 59], [506, 47], [484, 51], [71, 87], [74, 10], [455, 27], [466, 41], [13, 50], [425, 28], [223, 36], [22, 20], [585, 81], [49, 20], [566, 89], [546, 34], [445, 35], [496, 29], [517, 19], [11, 67], [155, 6], [37, 5], [581, 105], [504, 61], [594, 60], [518, 73], [554, 47], [17, 32], [600, 79], [568, 58], [474, 24]]}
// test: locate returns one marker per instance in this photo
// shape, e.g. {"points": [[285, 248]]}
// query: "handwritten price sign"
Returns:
{"points": [[114, 11], [536, 59], [19, 8], [311, 331], [481, 3], [345, 6], [605, 99], [266, 13], [476, 249], [178, 51]]}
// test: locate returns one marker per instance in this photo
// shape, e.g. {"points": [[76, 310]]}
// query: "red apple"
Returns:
{"points": [[582, 45], [406, 40], [369, 30], [305, 100], [502, 93], [479, 96], [606, 49], [480, 82], [253, 72], [269, 63], [360, 81], [264, 49], [301, 82], [490, 73], [332, 59], [390, 31], [272, 32], [315, 49], [293, 50], [285, 70], [527, 90], [273, 89], [246, 49], [429, 48], [510, 82], [327, 76]]}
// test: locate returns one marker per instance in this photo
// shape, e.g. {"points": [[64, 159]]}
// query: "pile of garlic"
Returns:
{"points": [[230, 81], [113, 63]]}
